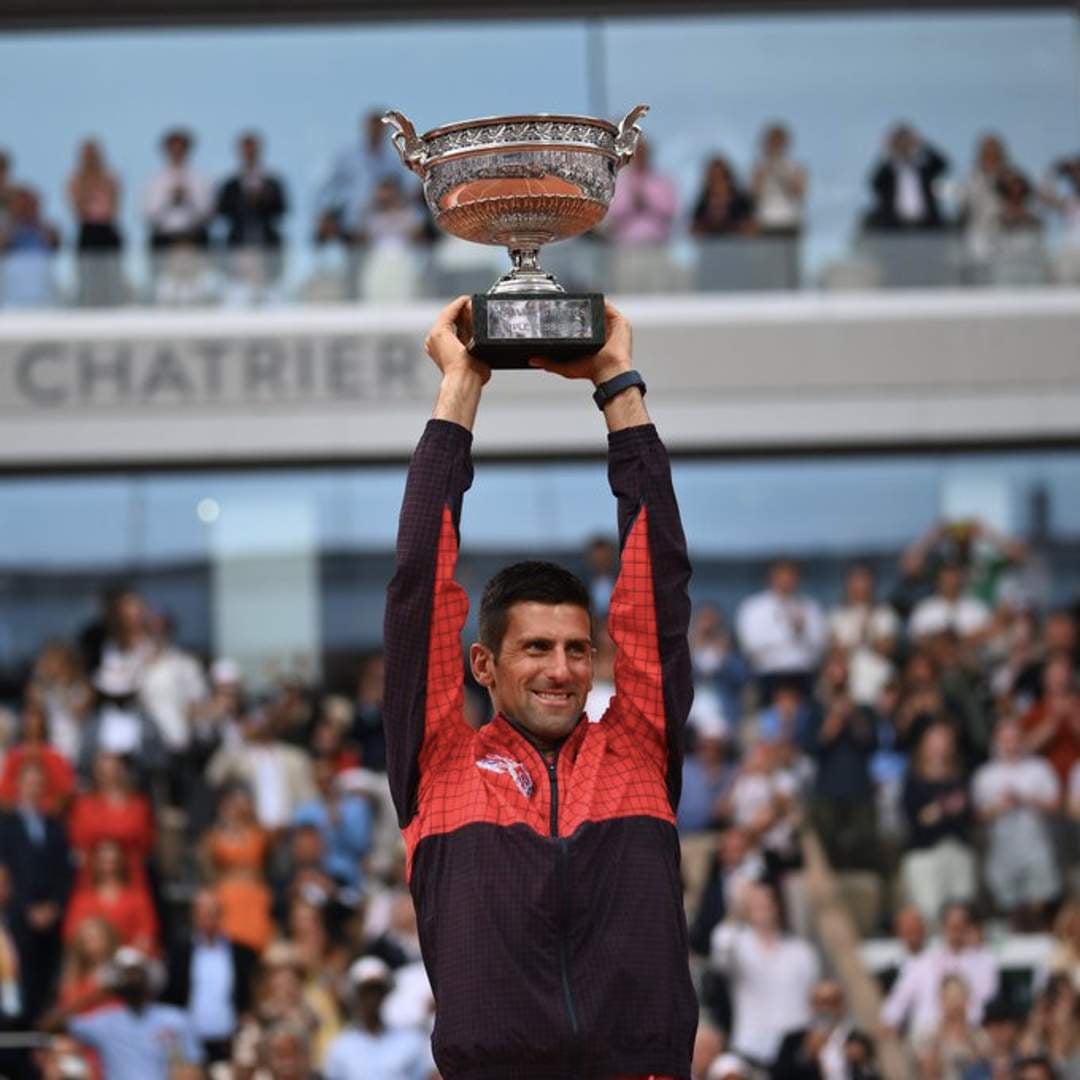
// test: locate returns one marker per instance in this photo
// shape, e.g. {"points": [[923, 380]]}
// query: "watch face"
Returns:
{"points": [[520, 320]]}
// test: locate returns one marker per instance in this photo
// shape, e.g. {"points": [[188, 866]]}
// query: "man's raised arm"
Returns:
{"points": [[425, 607], [649, 617]]}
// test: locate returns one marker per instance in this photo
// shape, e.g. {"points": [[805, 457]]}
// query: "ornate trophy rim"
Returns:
{"points": [[520, 118]]}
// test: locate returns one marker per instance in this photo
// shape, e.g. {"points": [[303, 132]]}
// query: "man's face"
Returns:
{"points": [[249, 151], [206, 914], [544, 669], [950, 582], [955, 928], [176, 150], [784, 579]]}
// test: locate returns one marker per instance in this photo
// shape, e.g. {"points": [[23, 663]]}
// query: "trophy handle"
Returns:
{"points": [[409, 145], [629, 133]]}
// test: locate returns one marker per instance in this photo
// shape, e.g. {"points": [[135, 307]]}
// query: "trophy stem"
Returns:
{"points": [[527, 276]]}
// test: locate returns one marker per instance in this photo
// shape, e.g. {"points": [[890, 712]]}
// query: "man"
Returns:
{"points": [[210, 977], [817, 1051], [541, 849], [1016, 796], [904, 183], [915, 998], [950, 608], [136, 1039], [178, 201], [367, 1049], [782, 632], [34, 847], [252, 201]]}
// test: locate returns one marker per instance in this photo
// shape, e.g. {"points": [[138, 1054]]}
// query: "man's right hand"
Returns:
{"points": [[445, 343], [463, 375]]}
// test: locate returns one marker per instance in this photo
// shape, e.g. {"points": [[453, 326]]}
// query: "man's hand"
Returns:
{"points": [[613, 359], [463, 375], [445, 343]]}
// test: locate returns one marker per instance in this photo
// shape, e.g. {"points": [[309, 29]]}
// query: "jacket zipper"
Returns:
{"points": [[563, 871]]}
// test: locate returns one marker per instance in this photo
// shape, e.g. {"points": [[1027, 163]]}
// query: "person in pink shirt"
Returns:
{"points": [[643, 208]]}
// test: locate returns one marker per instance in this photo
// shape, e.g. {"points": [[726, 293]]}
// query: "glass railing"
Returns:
{"points": [[186, 277]]}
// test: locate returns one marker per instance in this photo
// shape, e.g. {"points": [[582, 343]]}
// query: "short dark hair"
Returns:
{"points": [[526, 582]]}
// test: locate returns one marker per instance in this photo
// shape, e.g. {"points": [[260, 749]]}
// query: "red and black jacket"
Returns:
{"points": [[548, 896]]}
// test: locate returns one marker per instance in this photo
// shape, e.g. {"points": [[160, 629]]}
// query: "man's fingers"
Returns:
{"points": [[448, 317]]}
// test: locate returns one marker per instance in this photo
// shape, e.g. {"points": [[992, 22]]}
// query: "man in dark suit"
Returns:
{"points": [[252, 202], [818, 1050], [34, 847], [210, 976], [904, 183]]}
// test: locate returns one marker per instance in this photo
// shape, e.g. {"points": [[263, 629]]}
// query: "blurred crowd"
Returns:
{"points": [[207, 238], [201, 880]]}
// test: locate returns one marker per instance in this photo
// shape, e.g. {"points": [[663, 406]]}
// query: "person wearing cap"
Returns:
{"points": [[541, 848], [367, 1049], [137, 1039], [728, 1067]]}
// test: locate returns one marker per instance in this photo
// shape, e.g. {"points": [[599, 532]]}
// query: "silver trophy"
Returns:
{"points": [[521, 182]]}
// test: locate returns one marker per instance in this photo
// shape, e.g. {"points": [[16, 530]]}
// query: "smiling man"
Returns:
{"points": [[541, 850]]}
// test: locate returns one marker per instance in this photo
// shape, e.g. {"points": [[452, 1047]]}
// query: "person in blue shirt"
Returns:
{"points": [[137, 1039], [345, 823]]}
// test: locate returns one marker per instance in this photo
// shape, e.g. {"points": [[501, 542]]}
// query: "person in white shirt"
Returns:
{"points": [[770, 974], [178, 201], [778, 185], [170, 685], [950, 609], [1015, 794], [782, 632], [867, 631], [368, 1049], [915, 998]]}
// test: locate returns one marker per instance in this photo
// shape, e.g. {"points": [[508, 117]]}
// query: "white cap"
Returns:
{"points": [[369, 969], [727, 1065], [225, 671]]}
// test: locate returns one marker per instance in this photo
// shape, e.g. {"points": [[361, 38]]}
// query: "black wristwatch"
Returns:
{"points": [[607, 390]]}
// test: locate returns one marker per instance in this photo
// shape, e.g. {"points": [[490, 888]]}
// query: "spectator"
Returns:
{"points": [[252, 201], [111, 890], [1065, 957], [707, 775], [112, 810], [11, 1004], [643, 208], [953, 1046], [235, 850], [904, 183], [1053, 1027], [980, 199], [344, 821], [392, 226], [950, 609], [603, 686], [178, 201], [278, 775], [346, 196], [939, 864], [1052, 725], [868, 632], [27, 243], [367, 1048], [716, 662], [782, 632], [771, 974], [1016, 195], [1061, 190], [210, 977], [34, 746], [137, 1039], [602, 558], [736, 863], [367, 729], [60, 684], [915, 999], [34, 848], [1015, 794], [997, 1052], [321, 960], [84, 979], [722, 208], [816, 1052], [841, 739], [1039, 1067], [94, 195], [6, 189], [118, 725], [778, 185], [764, 799]]}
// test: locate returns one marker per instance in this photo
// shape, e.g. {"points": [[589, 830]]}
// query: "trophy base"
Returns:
{"points": [[509, 330]]}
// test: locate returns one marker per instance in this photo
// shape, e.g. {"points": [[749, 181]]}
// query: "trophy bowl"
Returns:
{"points": [[521, 182]]}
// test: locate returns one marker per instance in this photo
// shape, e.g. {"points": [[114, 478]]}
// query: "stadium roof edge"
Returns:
{"points": [[18, 15]]}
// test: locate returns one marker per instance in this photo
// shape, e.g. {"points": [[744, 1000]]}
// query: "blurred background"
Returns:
{"points": [[851, 253]]}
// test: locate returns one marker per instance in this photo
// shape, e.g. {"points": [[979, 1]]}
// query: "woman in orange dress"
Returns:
{"points": [[113, 894], [234, 851]]}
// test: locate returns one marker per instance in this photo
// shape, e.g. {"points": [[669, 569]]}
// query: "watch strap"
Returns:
{"points": [[623, 381]]}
